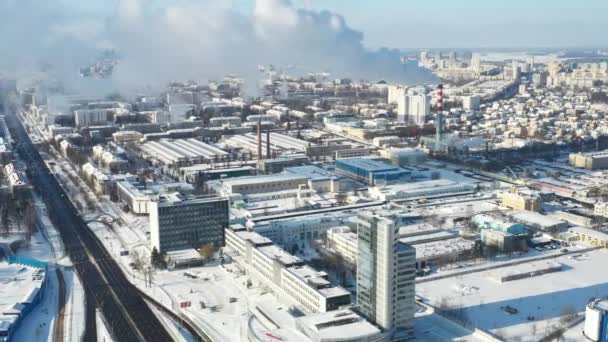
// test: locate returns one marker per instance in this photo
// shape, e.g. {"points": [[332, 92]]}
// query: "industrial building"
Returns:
{"points": [[138, 196], [200, 173], [587, 236], [257, 184], [127, 136], [501, 233], [178, 222], [418, 190], [590, 161], [319, 179], [284, 273], [539, 221], [276, 165], [521, 200], [182, 152], [404, 156], [371, 171]]}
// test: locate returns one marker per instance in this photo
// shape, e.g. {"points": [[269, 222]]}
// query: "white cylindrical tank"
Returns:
{"points": [[596, 320]]}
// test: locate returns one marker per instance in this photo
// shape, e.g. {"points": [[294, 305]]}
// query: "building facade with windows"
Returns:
{"points": [[178, 222], [385, 274]]}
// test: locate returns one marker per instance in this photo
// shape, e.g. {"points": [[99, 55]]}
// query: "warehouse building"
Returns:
{"points": [[590, 161], [418, 190], [182, 152], [257, 184], [371, 171]]}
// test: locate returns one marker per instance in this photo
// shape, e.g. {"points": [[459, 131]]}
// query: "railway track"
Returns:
{"points": [[60, 321]]}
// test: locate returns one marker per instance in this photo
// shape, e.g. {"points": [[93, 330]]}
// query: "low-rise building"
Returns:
{"points": [[284, 273], [588, 236], [590, 161], [257, 184], [417, 190], [371, 171], [521, 200], [501, 233]]}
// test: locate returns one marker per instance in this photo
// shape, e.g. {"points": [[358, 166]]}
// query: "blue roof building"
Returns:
{"points": [[372, 171]]}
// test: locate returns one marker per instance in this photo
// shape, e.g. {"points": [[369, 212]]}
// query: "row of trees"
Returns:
{"points": [[17, 215]]}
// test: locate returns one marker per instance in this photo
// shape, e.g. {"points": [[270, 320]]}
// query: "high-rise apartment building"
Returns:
{"points": [[385, 274], [178, 223], [414, 108]]}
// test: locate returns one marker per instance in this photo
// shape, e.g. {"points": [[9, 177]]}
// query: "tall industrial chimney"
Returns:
{"points": [[439, 121], [259, 139], [268, 156]]}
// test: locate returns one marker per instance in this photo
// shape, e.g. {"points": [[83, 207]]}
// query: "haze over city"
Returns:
{"points": [[305, 170]]}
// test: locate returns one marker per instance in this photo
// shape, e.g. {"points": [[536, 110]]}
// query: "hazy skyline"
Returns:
{"points": [[443, 23]]}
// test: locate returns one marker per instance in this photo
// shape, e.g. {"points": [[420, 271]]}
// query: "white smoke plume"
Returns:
{"points": [[190, 39]]}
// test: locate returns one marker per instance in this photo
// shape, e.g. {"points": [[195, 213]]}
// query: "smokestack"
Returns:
{"points": [[268, 156], [439, 123], [259, 139]]}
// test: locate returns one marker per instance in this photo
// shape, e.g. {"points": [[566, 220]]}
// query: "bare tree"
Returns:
{"points": [[29, 218], [206, 251]]}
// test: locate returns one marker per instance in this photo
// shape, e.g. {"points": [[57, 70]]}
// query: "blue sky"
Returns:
{"points": [[457, 23]]}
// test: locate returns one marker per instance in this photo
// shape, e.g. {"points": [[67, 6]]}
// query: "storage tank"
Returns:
{"points": [[596, 320]]}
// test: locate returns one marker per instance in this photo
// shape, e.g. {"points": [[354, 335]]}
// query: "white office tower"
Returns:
{"points": [[385, 275]]}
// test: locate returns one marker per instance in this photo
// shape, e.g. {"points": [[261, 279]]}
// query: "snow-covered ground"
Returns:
{"points": [[15, 283], [539, 300]]}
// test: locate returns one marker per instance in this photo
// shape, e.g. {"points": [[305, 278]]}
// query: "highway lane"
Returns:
{"points": [[125, 312]]}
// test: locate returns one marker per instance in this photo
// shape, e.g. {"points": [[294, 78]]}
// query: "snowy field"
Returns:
{"points": [[540, 301]]}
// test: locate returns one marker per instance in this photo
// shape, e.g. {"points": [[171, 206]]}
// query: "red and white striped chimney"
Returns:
{"points": [[440, 98]]}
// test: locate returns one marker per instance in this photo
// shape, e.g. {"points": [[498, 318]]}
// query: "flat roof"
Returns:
{"points": [[536, 218], [167, 200], [436, 236], [417, 229], [589, 232], [254, 237], [276, 253], [369, 164], [312, 172], [442, 247], [339, 325], [262, 179]]}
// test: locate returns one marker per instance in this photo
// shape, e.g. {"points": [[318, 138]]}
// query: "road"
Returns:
{"points": [[106, 287]]}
